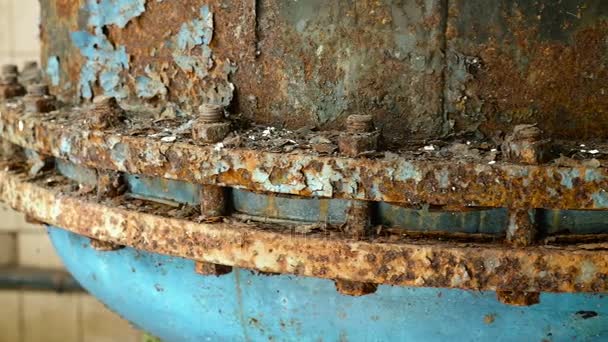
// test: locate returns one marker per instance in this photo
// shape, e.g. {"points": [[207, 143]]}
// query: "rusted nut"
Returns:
{"points": [[213, 201], [210, 132], [9, 69], [106, 113], [525, 145], [31, 73], [354, 288], [522, 229], [10, 87], [210, 126], [207, 268], [354, 144], [518, 298], [105, 246], [358, 219], [110, 184], [38, 99]]}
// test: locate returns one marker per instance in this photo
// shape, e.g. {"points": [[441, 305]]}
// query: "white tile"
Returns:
{"points": [[36, 250], [13, 221], [50, 317], [8, 249], [26, 22], [10, 313], [6, 46]]}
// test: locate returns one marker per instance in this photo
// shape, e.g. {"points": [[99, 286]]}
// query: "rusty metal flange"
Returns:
{"points": [[392, 178], [333, 256]]}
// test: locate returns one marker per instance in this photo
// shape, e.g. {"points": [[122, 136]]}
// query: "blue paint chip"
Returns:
{"points": [[117, 12], [600, 199], [198, 32], [52, 70], [104, 63], [147, 87]]}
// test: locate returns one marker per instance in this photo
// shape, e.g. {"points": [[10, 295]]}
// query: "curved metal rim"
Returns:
{"points": [[396, 180], [405, 263]]}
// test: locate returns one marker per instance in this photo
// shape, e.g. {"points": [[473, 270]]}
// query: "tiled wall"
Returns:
{"points": [[31, 316]]}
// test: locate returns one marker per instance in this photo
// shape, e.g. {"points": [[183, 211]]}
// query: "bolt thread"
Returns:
{"points": [[9, 69], [107, 104], [359, 123], [211, 113], [38, 89]]}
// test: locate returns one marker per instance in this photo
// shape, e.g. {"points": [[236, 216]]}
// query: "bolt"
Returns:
{"points": [[359, 136], [110, 184], [38, 99], [106, 113], [9, 79], [518, 298], [38, 89], [213, 201], [210, 113], [358, 219], [522, 229], [10, 87], [525, 145], [354, 288], [210, 126], [9, 69], [359, 123], [208, 268]]}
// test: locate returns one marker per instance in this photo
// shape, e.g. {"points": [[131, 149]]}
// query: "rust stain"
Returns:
{"points": [[411, 180], [273, 249]]}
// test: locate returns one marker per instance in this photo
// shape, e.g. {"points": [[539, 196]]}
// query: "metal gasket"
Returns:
{"points": [[449, 182], [396, 261]]}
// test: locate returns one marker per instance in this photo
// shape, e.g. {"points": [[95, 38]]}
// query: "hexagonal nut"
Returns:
{"points": [[39, 104], [207, 268], [518, 298], [527, 152], [354, 288], [8, 91], [210, 132], [354, 144]]}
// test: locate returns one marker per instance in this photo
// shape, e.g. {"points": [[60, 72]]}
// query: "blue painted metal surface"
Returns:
{"points": [[163, 295]]}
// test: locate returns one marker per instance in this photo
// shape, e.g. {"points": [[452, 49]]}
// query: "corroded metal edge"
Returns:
{"points": [[406, 263], [450, 182]]}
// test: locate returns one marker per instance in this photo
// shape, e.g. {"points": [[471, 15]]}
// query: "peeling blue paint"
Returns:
{"points": [[198, 32], [150, 85], [104, 61], [568, 176], [593, 175], [117, 12], [52, 70], [600, 199]]}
